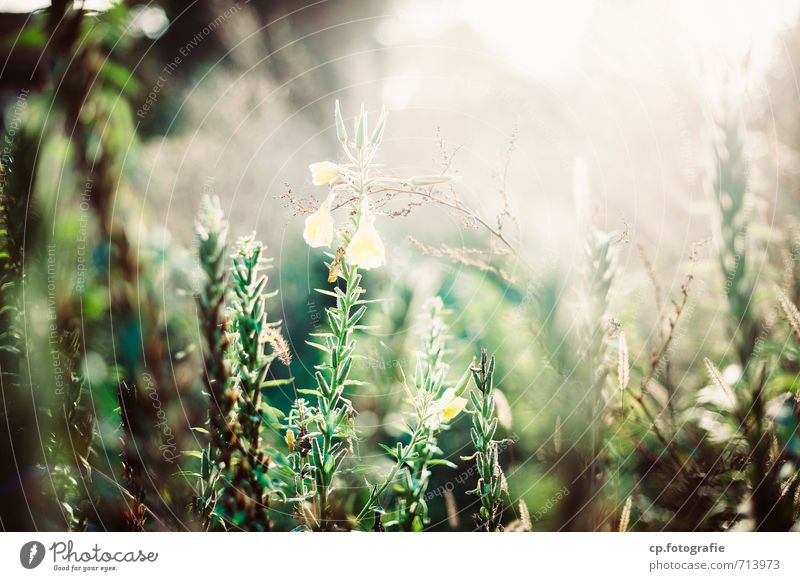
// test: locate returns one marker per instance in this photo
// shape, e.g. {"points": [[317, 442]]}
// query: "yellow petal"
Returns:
{"points": [[366, 248], [319, 227], [323, 172], [452, 409]]}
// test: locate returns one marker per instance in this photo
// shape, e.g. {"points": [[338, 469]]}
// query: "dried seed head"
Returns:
{"points": [[719, 380], [623, 365], [786, 486], [774, 450], [525, 517], [498, 472], [306, 515], [790, 310], [279, 345], [625, 518]]}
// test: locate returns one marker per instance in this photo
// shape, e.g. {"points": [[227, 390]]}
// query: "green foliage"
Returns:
{"points": [[412, 509], [248, 484], [137, 428], [492, 486], [333, 414], [211, 230]]}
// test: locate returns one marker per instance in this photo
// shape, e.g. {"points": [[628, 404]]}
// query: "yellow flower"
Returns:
{"points": [[323, 172], [366, 248], [451, 404], [319, 227]]}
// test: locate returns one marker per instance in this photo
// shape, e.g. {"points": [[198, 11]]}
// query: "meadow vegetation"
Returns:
{"points": [[143, 390]]}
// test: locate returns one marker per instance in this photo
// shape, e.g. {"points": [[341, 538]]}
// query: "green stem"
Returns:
{"points": [[330, 404], [377, 492]]}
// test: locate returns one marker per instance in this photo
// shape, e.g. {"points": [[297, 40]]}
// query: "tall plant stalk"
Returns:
{"points": [[211, 230], [334, 413], [435, 405], [770, 510], [330, 422], [492, 487], [412, 510], [248, 486]]}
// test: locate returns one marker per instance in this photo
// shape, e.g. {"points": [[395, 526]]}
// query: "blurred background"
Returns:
{"points": [[554, 115]]}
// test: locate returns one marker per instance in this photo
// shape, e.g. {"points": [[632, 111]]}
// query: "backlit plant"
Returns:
{"points": [[492, 487], [430, 393], [106, 369]]}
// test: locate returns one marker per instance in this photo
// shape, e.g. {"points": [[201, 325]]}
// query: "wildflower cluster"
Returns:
{"points": [[446, 403], [321, 436], [434, 406], [350, 181], [326, 430]]}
